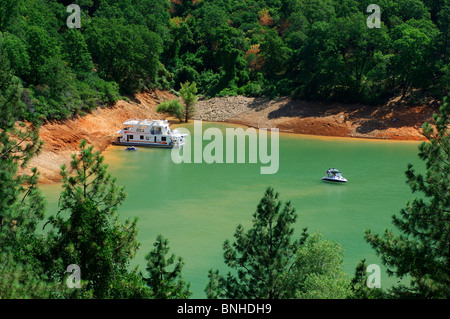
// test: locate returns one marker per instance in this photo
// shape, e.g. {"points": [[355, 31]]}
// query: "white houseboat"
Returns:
{"points": [[150, 133]]}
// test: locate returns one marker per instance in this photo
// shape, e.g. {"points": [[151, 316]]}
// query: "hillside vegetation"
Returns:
{"points": [[320, 50]]}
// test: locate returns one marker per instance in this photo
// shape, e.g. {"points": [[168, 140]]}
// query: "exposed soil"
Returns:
{"points": [[389, 121], [98, 128]]}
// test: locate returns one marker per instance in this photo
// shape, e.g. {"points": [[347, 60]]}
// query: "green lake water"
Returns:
{"points": [[198, 206]]}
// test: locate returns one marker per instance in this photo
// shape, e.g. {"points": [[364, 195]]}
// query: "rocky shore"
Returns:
{"points": [[389, 121], [399, 122]]}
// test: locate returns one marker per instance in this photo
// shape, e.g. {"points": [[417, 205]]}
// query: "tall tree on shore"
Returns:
{"points": [[261, 256], [188, 93], [422, 250]]}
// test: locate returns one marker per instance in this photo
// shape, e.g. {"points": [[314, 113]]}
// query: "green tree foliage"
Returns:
{"points": [[8, 11], [310, 49], [91, 181], [262, 257], [18, 55], [228, 55], [173, 107], [359, 288], [413, 43], [165, 283], [41, 46], [274, 52], [25, 279], [421, 250], [317, 271], [18, 144], [54, 63], [188, 93], [21, 203], [125, 53], [92, 236], [323, 50], [78, 56]]}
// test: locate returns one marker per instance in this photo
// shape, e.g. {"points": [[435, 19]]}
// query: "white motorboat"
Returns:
{"points": [[150, 133], [334, 176]]}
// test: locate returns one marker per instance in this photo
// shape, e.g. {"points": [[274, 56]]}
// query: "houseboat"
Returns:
{"points": [[149, 133]]}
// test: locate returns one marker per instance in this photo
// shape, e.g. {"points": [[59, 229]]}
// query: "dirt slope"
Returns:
{"points": [[62, 138], [390, 121]]}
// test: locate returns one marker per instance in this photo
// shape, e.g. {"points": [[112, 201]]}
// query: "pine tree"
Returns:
{"points": [[92, 236], [22, 205], [165, 283], [422, 250], [261, 257]]}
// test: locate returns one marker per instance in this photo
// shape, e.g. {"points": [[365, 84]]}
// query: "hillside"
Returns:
{"points": [[321, 50]]}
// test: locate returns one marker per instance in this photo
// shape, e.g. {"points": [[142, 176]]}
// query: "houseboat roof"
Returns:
{"points": [[145, 122]]}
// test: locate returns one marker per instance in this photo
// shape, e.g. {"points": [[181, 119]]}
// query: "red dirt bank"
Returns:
{"points": [[99, 127]]}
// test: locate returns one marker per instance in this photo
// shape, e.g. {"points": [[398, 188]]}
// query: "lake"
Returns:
{"points": [[197, 206]]}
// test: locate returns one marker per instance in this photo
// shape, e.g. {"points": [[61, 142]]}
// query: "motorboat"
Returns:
{"points": [[131, 148], [334, 176], [150, 133]]}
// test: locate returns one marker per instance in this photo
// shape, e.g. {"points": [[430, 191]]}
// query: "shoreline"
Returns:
{"points": [[388, 121], [288, 115], [315, 136]]}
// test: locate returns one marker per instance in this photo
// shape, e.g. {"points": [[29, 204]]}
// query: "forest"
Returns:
{"points": [[319, 50]]}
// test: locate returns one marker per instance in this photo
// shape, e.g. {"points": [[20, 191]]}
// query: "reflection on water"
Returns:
{"points": [[198, 206]]}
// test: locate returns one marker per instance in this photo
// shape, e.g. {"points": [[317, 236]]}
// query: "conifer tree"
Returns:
{"points": [[422, 249], [92, 237], [163, 282], [18, 144], [261, 257], [21, 203]]}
